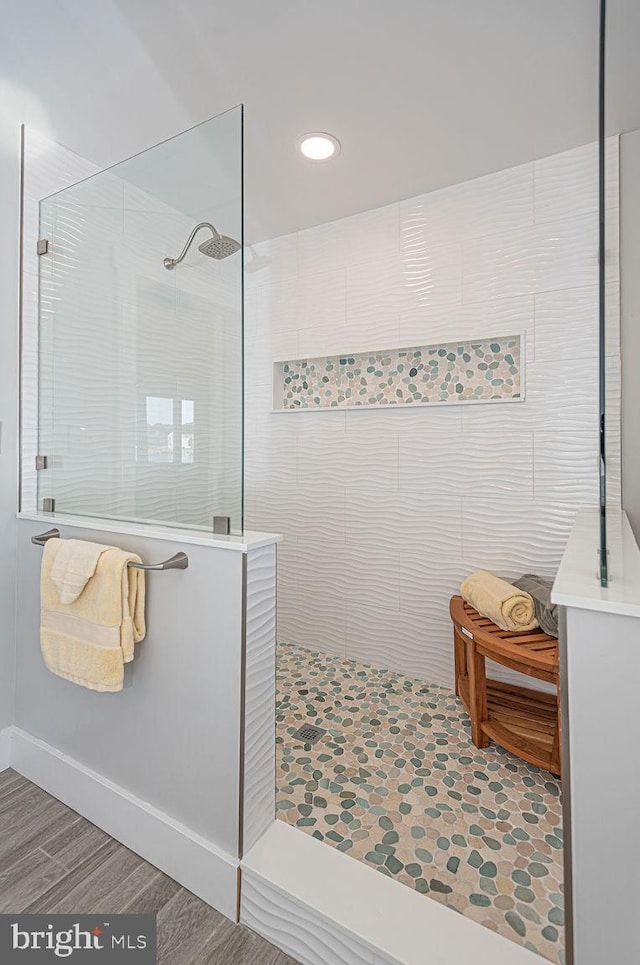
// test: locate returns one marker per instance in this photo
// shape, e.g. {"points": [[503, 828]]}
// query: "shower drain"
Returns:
{"points": [[309, 733]]}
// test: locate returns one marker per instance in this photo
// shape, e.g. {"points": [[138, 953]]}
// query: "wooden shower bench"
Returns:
{"points": [[525, 721]]}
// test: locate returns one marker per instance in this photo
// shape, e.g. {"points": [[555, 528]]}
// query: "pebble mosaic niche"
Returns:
{"points": [[483, 370]]}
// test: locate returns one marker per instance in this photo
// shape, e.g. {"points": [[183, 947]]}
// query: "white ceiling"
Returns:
{"points": [[421, 93]]}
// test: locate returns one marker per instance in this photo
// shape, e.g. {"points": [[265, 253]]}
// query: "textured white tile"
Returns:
{"points": [[262, 349], [287, 570], [271, 453], [219, 282], [612, 316], [387, 420], [405, 519], [85, 237], [566, 465], [272, 306], [380, 293], [566, 324], [429, 578], [412, 643], [559, 395], [511, 536], [260, 694], [361, 238], [258, 399], [482, 461], [372, 574], [349, 571], [313, 620], [563, 394], [548, 256], [320, 342], [322, 303], [375, 295], [321, 568], [566, 253], [566, 184], [369, 461], [331, 459], [310, 422], [483, 206], [499, 266], [613, 432], [504, 316], [270, 260], [312, 512], [297, 928], [432, 277]]}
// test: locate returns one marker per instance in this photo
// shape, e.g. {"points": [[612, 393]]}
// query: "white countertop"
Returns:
{"points": [[577, 583], [240, 542]]}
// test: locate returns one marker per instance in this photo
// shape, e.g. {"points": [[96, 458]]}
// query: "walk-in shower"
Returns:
{"points": [[219, 246]]}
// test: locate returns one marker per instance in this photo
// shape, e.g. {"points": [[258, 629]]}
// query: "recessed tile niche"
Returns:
{"points": [[483, 370]]}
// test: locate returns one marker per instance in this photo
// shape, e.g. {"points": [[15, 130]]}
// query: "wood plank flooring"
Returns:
{"points": [[52, 860]]}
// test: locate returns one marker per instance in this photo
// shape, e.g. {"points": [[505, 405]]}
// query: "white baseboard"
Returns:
{"points": [[5, 748], [173, 848], [323, 907]]}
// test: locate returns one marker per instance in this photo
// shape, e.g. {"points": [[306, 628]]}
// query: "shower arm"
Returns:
{"points": [[170, 263]]}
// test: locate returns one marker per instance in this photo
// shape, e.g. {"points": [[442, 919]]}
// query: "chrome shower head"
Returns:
{"points": [[220, 246]]}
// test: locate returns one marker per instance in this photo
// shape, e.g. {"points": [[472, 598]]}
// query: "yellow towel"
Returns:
{"points": [[508, 607], [89, 640], [73, 565]]}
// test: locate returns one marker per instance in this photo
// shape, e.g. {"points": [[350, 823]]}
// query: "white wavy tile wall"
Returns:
{"points": [[260, 695], [299, 930], [385, 512]]}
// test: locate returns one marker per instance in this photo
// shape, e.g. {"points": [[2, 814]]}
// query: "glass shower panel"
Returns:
{"points": [[140, 408]]}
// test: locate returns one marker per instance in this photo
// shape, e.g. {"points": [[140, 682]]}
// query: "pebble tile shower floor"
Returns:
{"points": [[397, 783]]}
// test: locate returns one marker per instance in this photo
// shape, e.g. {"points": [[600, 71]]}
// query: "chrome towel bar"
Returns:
{"points": [[178, 562]]}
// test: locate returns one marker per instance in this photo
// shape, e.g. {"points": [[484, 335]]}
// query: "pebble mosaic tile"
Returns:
{"points": [[477, 371], [397, 783]]}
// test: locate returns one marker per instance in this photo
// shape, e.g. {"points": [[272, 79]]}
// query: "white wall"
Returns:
{"points": [[384, 511], [9, 274]]}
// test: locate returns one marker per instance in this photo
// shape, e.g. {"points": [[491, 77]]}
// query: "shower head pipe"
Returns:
{"points": [[219, 246]]}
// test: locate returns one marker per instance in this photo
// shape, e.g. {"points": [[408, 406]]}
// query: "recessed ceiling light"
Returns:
{"points": [[318, 146]]}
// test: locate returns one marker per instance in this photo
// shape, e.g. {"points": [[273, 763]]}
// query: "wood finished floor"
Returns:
{"points": [[54, 861]]}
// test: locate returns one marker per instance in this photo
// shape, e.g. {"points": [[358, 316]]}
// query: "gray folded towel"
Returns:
{"points": [[540, 590]]}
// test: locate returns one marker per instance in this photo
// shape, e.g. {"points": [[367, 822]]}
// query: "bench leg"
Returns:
{"points": [[478, 711], [460, 658]]}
